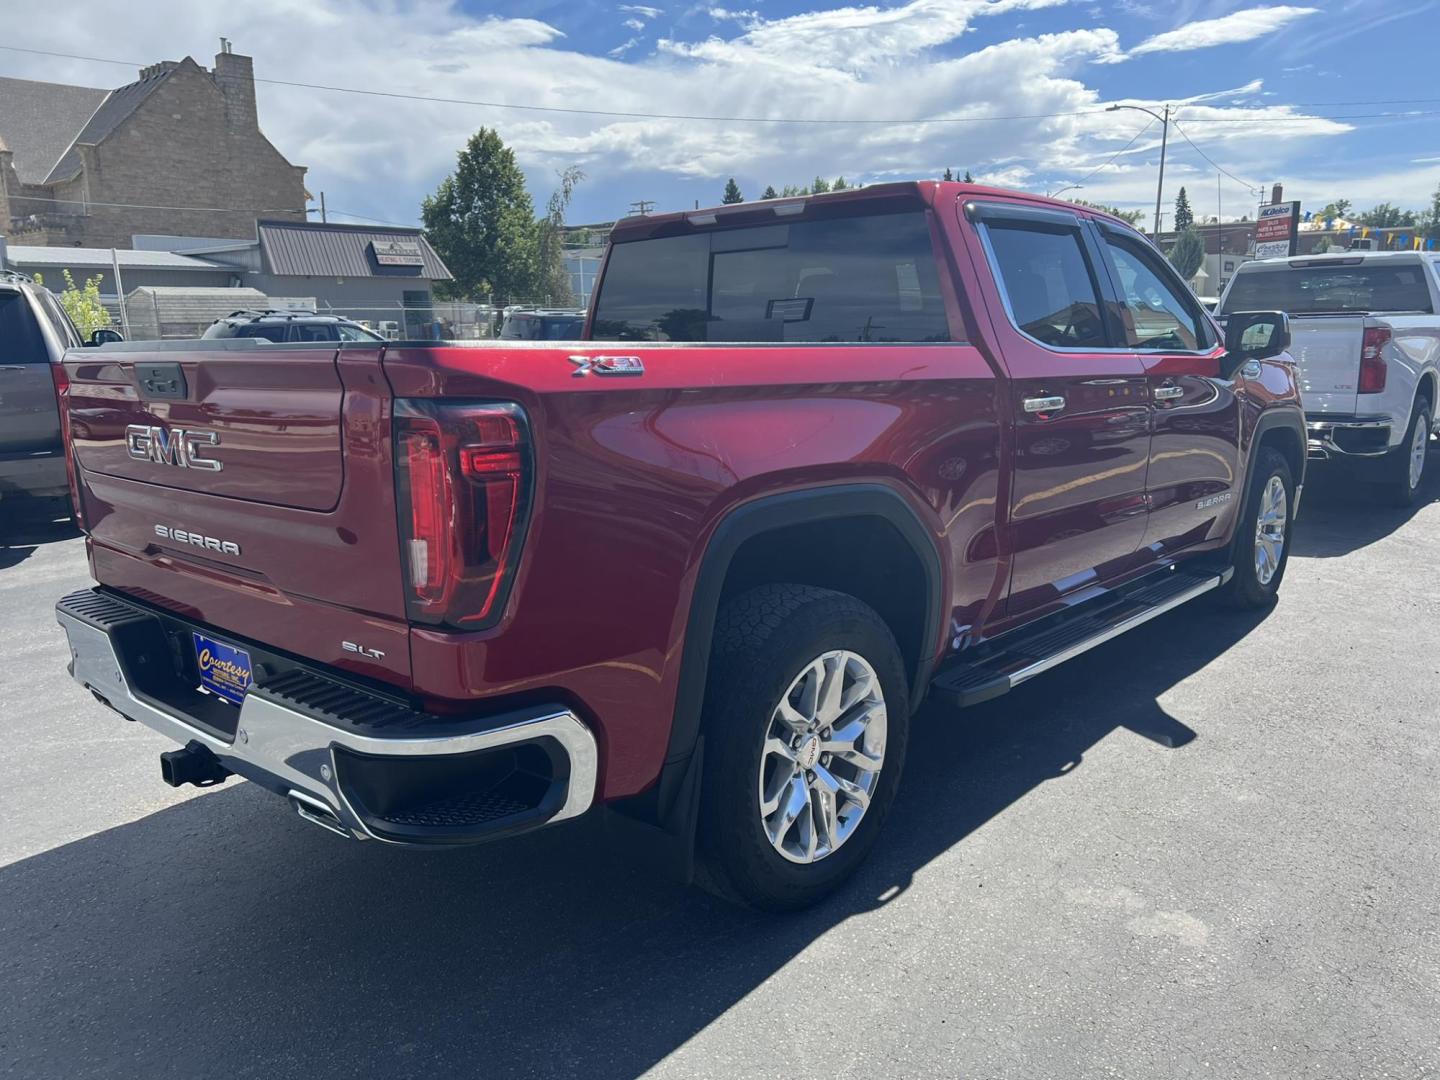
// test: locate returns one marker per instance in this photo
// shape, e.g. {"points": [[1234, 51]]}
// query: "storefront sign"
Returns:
{"points": [[1277, 229], [396, 253]]}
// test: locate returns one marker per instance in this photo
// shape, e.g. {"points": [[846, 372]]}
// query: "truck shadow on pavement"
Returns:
{"points": [[19, 537], [1341, 513], [224, 934]]}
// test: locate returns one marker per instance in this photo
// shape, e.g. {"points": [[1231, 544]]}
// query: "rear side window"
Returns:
{"points": [[858, 279], [20, 339], [1338, 287], [264, 331], [1048, 284], [314, 332]]}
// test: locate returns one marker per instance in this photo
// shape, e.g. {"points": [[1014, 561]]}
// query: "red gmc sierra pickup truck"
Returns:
{"points": [[814, 459]]}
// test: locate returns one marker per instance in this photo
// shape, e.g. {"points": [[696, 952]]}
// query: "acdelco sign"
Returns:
{"points": [[179, 447]]}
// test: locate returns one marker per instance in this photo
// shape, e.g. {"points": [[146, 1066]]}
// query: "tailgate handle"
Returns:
{"points": [[161, 381]]}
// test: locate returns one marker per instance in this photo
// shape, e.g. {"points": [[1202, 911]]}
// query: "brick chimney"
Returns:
{"points": [[1277, 193], [235, 76]]}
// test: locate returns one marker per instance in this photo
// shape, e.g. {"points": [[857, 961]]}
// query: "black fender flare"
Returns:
{"points": [[1273, 419], [751, 519]]}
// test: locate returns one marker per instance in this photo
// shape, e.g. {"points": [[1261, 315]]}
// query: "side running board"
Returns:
{"points": [[1004, 664]]}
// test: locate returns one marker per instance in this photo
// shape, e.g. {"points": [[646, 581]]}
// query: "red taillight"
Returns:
{"points": [[1372, 359], [462, 486], [62, 399]]}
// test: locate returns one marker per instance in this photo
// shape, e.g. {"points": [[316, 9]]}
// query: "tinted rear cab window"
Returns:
{"points": [[852, 279], [1314, 290]]}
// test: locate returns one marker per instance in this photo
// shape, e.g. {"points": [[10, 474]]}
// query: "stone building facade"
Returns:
{"points": [[92, 168]]}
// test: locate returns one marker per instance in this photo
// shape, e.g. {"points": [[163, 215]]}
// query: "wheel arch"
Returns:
{"points": [[1283, 429], [771, 515]]}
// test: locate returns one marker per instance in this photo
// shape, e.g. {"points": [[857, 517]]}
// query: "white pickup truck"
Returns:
{"points": [[1366, 339]]}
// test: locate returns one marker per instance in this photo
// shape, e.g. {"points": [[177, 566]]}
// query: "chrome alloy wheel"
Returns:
{"points": [[823, 751], [1270, 530], [1418, 446]]}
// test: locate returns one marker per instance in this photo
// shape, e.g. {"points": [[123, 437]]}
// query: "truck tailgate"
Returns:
{"points": [[248, 487], [1326, 349]]}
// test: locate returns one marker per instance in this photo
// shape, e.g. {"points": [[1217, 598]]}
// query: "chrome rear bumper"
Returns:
{"points": [[1347, 437], [324, 770]]}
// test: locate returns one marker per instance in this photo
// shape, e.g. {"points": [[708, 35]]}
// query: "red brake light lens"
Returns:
{"points": [[462, 478], [1372, 359]]}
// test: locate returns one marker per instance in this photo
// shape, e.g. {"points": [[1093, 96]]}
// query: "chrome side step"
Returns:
{"points": [[1015, 658]]}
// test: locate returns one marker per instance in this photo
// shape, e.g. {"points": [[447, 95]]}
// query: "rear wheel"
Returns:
{"points": [[1405, 466], [806, 723], [1262, 536]]}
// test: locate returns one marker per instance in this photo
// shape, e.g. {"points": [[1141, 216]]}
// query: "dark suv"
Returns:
{"points": [[282, 326]]}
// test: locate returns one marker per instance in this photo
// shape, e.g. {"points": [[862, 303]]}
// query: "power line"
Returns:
{"points": [[201, 209], [636, 115], [1219, 168], [1148, 125]]}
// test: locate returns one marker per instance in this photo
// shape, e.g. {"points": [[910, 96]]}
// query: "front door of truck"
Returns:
{"points": [[1194, 484], [1079, 403]]}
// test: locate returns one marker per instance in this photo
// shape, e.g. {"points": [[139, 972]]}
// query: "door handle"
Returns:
{"points": [[1043, 404], [1169, 393], [12, 367]]}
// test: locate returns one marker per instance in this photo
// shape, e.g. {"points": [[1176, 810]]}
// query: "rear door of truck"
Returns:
{"points": [[247, 485]]}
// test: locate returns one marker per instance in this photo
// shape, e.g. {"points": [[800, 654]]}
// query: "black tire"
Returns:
{"points": [[1246, 590], [764, 639], [1400, 490]]}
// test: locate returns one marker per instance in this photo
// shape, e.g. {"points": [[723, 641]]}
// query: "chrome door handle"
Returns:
{"points": [[1043, 404], [1169, 393], [13, 367]]}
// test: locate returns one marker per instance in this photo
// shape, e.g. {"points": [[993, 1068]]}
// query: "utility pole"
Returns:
{"points": [[642, 206], [323, 218], [1164, 139]]}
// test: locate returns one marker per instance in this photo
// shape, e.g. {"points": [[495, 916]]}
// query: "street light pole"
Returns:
{"points": [[1060, 191], [1164, 139]]}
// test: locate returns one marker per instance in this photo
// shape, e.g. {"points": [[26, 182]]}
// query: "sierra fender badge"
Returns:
{"points": [[607, 365], [1214, 500]]}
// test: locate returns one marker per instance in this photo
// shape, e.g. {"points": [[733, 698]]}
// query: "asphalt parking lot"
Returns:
{"points": [[1209, 849]]}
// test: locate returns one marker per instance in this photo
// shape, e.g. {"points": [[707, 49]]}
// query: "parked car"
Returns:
{"points": [[558, 325], [288, 325], [34, 334], [825, 456], [1367, 342]]}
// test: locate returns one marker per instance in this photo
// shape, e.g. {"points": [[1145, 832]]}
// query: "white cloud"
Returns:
{"points": [[1238, 26], [378, 156], [634, 24]]}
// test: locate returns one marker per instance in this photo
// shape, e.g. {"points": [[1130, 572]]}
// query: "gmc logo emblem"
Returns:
{"points": [[179, 447]]}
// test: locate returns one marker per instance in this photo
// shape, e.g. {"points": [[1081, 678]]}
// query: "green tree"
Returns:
{"points": [[769, 192], [1184, 218], [819, 186], [968, 178], [1188, 253], [839, 184], [550, 241], [791, 191], [1386, 216], [482, 223], [1339, 208], [732, 192], [948, 174], [82, 303], [1132, 216], [1429, 219]]}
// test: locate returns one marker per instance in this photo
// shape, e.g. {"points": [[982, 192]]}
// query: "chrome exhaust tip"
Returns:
{"points": [[317, 812]]}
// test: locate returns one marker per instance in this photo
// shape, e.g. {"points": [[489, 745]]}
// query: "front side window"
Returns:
{"points": [[1048, 284], [853, 279], [1158, 315], [314, 332]]}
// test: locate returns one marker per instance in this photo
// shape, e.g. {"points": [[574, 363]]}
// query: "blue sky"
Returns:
{"points": [[1254, 83]]}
